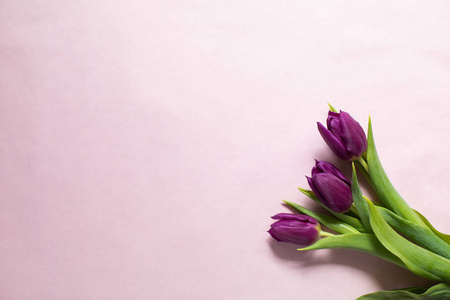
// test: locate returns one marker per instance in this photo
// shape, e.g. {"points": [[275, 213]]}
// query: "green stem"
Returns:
{"points": [[354, 210], [325, 234], [363, 167], [363, 163]]}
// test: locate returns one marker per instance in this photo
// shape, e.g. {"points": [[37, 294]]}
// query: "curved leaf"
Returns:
{"points": [[443, 236], [421, 235], [440, 291], [364, 242], [383, 186], [419, 260]]}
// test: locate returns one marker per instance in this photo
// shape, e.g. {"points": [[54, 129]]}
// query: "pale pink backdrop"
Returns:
{"points": [[144, 145]]}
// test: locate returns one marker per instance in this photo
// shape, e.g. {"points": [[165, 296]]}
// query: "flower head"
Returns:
{"points": [[297, 229], [331, 187], [343, 135]]}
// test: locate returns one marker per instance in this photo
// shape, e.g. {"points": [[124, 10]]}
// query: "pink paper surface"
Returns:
{"points": [[144, 145]]}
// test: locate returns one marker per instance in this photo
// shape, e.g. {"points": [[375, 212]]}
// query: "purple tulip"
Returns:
{"points": [[331, 187], [297, 229], [343, 135]]}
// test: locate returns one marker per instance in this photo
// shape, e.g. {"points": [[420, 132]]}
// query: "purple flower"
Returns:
{"points": [[343, 135], [297, 229], [331, 187]]}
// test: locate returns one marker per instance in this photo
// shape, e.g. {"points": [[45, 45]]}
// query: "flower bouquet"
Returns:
{"points": [[389, 228]]}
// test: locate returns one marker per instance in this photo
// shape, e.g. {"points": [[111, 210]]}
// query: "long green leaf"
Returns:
{"points": [[329, 221], [364, 242], [419, 260], [355, 223], [421, 235], [439, 291], [360, 202], [443, 236], [383, 186]]}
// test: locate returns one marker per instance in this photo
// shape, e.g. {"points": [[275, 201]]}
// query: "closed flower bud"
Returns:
{"points": [[344, 135], [297, 229], [331, 187]]}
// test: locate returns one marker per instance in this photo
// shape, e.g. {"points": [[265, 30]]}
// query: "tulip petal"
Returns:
{"points": [[315, 190], [352, 135], [295, 228], [295, 217], [355, 223], [334, 125], [332, 116], [273, 233], [326, 167], [337, 194], [335, 145]]}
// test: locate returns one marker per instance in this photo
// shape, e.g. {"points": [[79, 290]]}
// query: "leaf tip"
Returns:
{"points": [[331, 107], [303, 191]]}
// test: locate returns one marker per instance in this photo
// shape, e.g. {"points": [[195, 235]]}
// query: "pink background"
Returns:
{"points": [[144, 145]]}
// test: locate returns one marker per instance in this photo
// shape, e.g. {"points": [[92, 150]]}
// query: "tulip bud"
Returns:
{"points": [[297, 229], [344, 135], [331, 187]]}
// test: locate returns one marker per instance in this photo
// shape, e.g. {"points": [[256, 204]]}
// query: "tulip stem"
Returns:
{"points": [[354, 210], [363, 164], [324, 233]]}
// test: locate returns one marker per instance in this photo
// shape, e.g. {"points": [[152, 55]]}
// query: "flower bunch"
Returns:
{"points": [[389, 229]]}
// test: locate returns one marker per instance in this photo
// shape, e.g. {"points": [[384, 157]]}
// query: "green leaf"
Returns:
{"points": [[331, 222], [308, 193], [355, 223], [418, 260], [439, 291], [443, 236], [332, 108], [364, 242], [383, 186], [360, 202], [421, 235]]}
